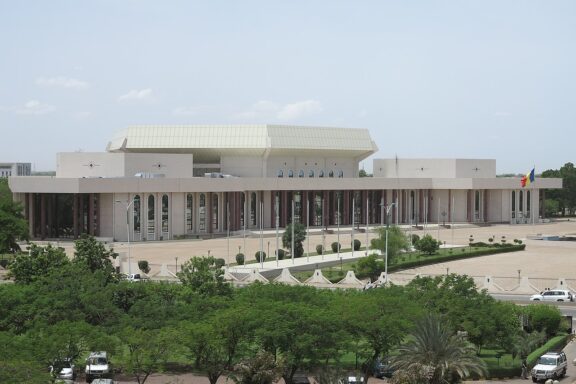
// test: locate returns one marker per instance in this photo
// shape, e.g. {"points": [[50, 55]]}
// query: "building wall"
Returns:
{"points": [[108, 164], [434, 168], [15, 169]]}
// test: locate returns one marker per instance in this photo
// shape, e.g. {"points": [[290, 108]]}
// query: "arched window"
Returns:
{"points": [[280, 173], [340, 173], [136, 214], [321, 173], [290, 173], [301, 173], [202, 213], [331, 173], [189, 211], [311, 173], [165, 213]]}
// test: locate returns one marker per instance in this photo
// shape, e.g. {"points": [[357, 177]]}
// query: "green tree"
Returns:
{"points": [[147, 350], [299, 237], [13, 225], [435, 349], [397, 242], [566, 196], [144, 266], [263, 368], [93, 254], [427, 245], [543, 318], [370, 266], [39, 262], [206, 348], [203, 276]]}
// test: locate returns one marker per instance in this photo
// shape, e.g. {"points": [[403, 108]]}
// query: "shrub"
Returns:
{"points": [[219, 263], [3, 263], [144, 266], [319, 249], [427, 244], [357, 244], [335, 246], [240, 258], [415, 238], [281, 254], [260, 254], [479, 244]]}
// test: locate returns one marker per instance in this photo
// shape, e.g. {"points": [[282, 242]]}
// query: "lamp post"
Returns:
{"points": [[176, 264], [128, 205], [388, 207]]}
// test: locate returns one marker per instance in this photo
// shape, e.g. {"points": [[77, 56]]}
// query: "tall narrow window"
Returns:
{"points": [[528, 204], [253, 208], [318, 209], [189, 210], [165, 210], [520, 202], [215, 211], [202, 212], [513, 204], [297, 207], [151, 217], [242, 209], [477, 205], [136, 214]]}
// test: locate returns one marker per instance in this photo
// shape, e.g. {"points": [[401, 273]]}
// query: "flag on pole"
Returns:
{"points": [[527, 179]]}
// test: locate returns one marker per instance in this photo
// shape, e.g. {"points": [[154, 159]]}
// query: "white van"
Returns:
{"points": [[97, 366]]}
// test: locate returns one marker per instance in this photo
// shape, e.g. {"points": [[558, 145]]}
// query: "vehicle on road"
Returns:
{"points": [[553, 295], [97, 366], [67, 370], [551, 365]]}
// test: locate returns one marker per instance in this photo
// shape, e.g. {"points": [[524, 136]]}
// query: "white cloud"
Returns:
{"points": [[62, 82], [265, 109], [299, 109], [135, 95], [33, 107]]}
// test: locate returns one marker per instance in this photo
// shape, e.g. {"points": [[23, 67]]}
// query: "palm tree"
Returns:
{"points": [[437, 353]]}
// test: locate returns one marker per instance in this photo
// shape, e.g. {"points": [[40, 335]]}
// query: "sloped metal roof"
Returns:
{"points": [[243, 140]]}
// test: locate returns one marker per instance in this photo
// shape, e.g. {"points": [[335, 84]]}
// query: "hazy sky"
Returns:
{"points": [[474, 79]]}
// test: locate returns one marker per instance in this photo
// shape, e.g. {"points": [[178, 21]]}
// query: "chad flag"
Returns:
{"points": [[527, 179]]}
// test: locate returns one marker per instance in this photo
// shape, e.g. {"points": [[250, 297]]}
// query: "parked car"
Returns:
{"points": [[551, 365], [97, 366], [553, 295], [67, 372], [383, 368], [103, 381]]}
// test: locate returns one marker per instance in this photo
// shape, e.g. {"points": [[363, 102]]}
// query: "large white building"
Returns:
{"points": [[206, 180]]}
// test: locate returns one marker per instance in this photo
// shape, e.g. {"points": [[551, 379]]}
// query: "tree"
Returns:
{"points": [[437, 351], [203, 276], [144, 266], [397, 242], [147, 350], [13, 225], [263, 368], [39, 262], [544, 318], [93, 254], [206, 348], [427, 245], [299, 237], [370, 266]]}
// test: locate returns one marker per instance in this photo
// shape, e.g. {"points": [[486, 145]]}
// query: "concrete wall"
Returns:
{"points": [[434, 168], [107, 164]]}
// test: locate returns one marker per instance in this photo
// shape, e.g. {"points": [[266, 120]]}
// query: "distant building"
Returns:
{"points": [[206, 180], [15, 169]]}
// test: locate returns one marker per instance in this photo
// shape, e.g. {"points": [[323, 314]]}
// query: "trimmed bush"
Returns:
{"points": [[260, 254], [144, 266], [281, 254], [415, 238], [357, 244], [219, 263], [336, 246], [319, 249], [479, 244], [240, 258]]}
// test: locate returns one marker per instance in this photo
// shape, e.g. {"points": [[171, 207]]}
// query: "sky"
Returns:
{"points": [[430, 79]]}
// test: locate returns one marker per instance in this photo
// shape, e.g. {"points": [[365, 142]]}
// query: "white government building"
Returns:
{"points": [[208, 180]]}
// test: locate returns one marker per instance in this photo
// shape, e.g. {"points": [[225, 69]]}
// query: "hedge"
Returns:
{"points": [[554, 344], [455, 256]]}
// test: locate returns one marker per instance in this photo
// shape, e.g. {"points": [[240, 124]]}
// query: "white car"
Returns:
{"points": [[553, 295], [551, 365]]}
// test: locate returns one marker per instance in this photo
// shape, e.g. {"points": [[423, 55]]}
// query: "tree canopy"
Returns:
{"points": [[13, 225]]}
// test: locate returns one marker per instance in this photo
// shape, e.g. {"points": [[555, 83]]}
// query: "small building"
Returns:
{"points": [[161, 182], [15, 169]]}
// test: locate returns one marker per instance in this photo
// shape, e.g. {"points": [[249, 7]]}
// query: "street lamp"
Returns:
{"points": [[388, 207], [176, 264], [128, 204]]}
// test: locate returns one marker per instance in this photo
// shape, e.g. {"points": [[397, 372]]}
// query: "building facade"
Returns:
{"points": [[165, 182], [15, 169]]}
